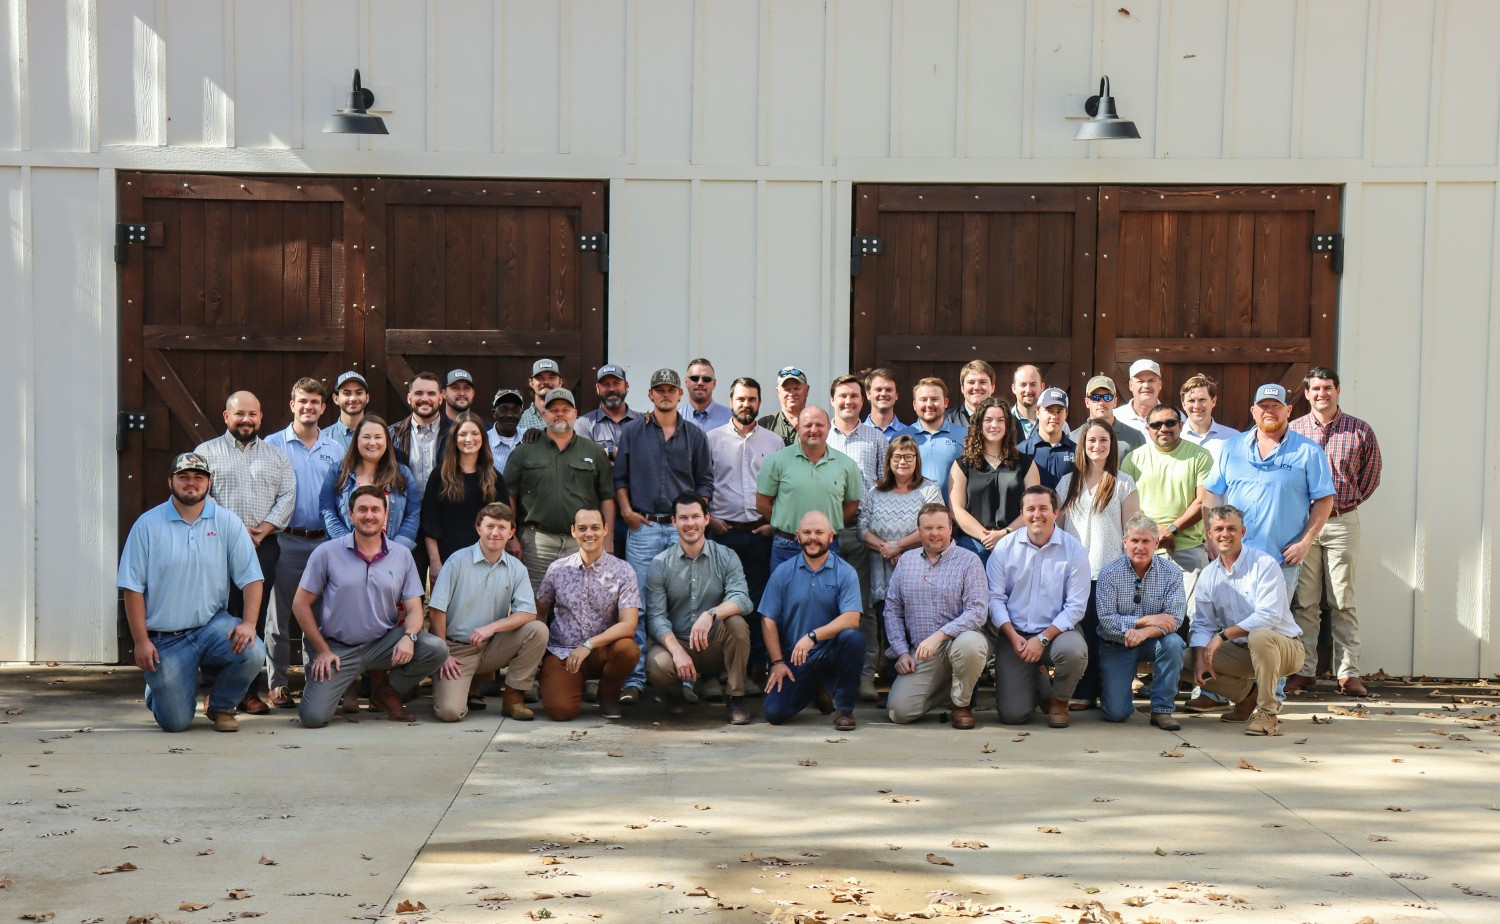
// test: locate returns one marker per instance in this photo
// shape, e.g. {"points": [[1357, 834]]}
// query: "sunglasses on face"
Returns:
{"points": [[1103, 399], [700, 378], [1164, 424]]}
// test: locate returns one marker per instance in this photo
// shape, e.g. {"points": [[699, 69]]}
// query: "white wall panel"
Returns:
{"points": [[726, 116], [131, 63], [332, 47], [1130, 56], [727, 325], [1194, 60], [924, 107], [398, 72], [794, 325], [17, 377], [1401, 85], [595, 102], [793, 133], [861, 78], [61, 81], [1468, 83], [197, 84], [995, 78], [530, 58], [653, 227], [75, 557], [1260, 100], [1062, 62], [463, 75], [1333, 78], [662, 103], [264, 57]]}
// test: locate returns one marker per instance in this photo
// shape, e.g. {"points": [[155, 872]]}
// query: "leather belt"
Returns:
{"points": [[787, 536], [172, 634], [745, 527], [657, 517], [305, 533], [1344, 512]]}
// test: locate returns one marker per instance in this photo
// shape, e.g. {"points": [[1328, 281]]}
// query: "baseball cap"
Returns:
{"points": [[458, 375], [350, 376], [1144, 365], [544, 365], [191, 462], [559, 394], [666, 377], [1270, 392], [1053, 396], [609, 369], [791, 372], [1098, 382], [506, 394]]}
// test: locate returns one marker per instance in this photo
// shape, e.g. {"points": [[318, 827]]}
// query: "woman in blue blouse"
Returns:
{"points": [[371, 459]]}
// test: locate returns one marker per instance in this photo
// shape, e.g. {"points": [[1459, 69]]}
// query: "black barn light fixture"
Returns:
{"points": [[355, 119], [1104, 122]]}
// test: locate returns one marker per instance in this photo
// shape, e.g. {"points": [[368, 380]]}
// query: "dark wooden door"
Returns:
{"points": [[1220, 280], [484, 275], [999, 273]]}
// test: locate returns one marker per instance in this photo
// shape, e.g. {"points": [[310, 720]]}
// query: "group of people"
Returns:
{"points": [[710, 551]]}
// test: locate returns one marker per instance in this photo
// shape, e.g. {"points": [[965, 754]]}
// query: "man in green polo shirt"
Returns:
{"points": [[807, 475]]}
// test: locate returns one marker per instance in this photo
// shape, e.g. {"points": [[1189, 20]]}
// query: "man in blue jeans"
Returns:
{"points": [[1141, 604], [812, 604], [175, 573]]}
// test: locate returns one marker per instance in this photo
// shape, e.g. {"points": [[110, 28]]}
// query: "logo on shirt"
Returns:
{"points": [[209, 534]]}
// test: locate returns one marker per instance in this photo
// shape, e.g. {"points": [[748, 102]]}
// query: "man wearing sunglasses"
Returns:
{"points": [[1100, 397], [1141, 604], [1168, 474], [700, 406]]}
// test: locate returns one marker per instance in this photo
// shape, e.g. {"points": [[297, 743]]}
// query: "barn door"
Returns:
{"points": [[1221, 280], [484, 275], [239, 283], [999, 273]]}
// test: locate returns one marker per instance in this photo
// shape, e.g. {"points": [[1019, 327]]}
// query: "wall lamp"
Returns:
{"points": [[355, 119], [1104, 122]]}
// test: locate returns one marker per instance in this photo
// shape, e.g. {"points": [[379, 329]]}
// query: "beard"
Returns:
{"points": [[245, 433], [813, 548], [1269, 425], [189, 498], [745, 418], [612, 400], [559, 427]]}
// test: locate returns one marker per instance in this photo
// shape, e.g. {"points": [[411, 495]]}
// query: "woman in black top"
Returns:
{"points": [[988, 479], [457, 489]]}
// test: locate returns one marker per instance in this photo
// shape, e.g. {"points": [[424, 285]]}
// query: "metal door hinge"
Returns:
{"points": [[1333, 246], [597, 242], [126, 421], [861, 247], [146, 234]]}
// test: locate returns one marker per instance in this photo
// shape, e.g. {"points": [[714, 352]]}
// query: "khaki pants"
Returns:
{"points": [[1328, 574], [539, 550], [520, 650], [728, 652], [949, 676], [562, 692], [1264, 660]]}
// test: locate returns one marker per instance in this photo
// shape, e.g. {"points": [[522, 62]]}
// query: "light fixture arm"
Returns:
{"points": [[1090, 105], [360, 97]]}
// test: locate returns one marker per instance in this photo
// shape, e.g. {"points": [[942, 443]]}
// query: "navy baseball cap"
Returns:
{"points": [[1051, 397], [350, 376]]}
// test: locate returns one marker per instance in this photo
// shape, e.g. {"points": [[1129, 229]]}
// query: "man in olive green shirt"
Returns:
{"points": [[807, 475], [551, 480], [1168, 472]]}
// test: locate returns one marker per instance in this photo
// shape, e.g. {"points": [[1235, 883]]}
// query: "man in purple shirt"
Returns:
{"points": [[935, 606], [364, 582]]}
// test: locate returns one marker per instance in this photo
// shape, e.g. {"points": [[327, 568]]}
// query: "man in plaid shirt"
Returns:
{"points": [[1328, 570]]}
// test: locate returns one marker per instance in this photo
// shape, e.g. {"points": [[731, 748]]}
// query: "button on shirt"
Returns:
{"points": [[679, 588], [800, 600], [797, 485], [1353, 456], [866, 446], [710, 418], [585, 599], [737, 461], [183, 568], [1033, 588], [424, 448], [1275, 492], [501, 447], [938, 449], [656, 469], [923, 597], [553, 484], [473, 592], [1251, 594], [312, 468], [361, 598], [1119, 589], [1052, 461], [254, 479]]}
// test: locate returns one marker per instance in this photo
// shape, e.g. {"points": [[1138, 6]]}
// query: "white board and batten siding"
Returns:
{"points": [[731, 133]]}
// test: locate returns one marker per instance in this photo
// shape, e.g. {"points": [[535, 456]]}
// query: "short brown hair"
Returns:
{"points": [[977, 365], [1199, 381], [848, 378], [935, 507], [931, 381], [308, 386], [429, 376], [496, 511], [879, 372]]}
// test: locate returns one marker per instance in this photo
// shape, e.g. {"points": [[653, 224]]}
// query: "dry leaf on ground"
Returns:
{"points": [[1396, 808], [702, 806], [936, 860], [969, 844], [5, 882], [194, 906], [242, 894], [122, 868], [39, 916], [1247, 765], [1048, 829], [699, 892], [613, 754], [903, 799], [1171, 753], [407, 907], [266, 861], [807, 762]]}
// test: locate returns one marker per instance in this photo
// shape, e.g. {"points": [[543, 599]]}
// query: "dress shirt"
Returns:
{"points": [[604, 429], [1033, 588], [1213, 439], [1053, 461], [679, 589], [891, 430], [473, 592], [183, 568], [1274, 493], [1126, 414], [311, 468], [424, 448], [737, 461], [362, 596], [1353, 456], [586, 599], [502, 446], [923, 597], [341, 433], [1121, 597], [939, 449], [710, 418], [254, 479], [655, 469], [1251, 595], [866, 446], [800, 600]]}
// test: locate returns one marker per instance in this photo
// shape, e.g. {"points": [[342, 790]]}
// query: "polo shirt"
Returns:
{"points": [[797, 485], [1033, 587], [891, 430], [655, 469], [553, 484], [799, 599], [1053, 462], [1167, 483], [361, 599], [938, 449], [679, 588], [1274, 493], [473, 592], [183, 568], [1027, 427], [312, 467], [1213, 440]]}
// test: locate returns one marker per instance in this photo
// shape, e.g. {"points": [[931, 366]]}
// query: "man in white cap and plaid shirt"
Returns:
{"points": [[545, 376]]}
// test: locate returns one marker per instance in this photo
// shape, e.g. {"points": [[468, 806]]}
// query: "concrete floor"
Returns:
{"points": [[797, 823]]}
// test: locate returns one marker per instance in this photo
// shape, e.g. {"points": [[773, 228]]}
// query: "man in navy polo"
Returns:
{"points": [[175, 573], [812, 605], [1049, 444]]}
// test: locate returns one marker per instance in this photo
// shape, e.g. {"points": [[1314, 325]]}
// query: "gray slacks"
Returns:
{"points": [[295, 551], [320, 698], [1016, 688]]}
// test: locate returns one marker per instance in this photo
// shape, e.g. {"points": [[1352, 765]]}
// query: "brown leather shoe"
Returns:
{"points": [[385, 697], [223, 721], [609, 706], [281, 698], [843, 721], [1262, 723], [1243, 709], [514, 705], [350, 703], [1057, 713], [962, 717], [737, 713], [1201, 703], [1352, 686], [1300, 683], [1165, 721], [824, 701], [252, 704]]}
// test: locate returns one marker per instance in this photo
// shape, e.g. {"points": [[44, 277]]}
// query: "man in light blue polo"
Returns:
{"points": [[938, 440], [175, 573]]}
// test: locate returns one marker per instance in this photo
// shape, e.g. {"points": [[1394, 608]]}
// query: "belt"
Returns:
{"points": [[746, 526], [786, 535], [172, 634], [657, 517], [1346, 510], [305, 533]]}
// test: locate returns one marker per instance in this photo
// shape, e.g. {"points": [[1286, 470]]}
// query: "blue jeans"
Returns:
{"points": [[834, 663], [172, 689], [784, 549], [1117, 669], [967, 541], [642, 545]]}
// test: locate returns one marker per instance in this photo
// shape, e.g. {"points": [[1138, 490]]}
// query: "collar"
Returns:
{"points": [[233, 443], [1054, 539], [943, 556], [802, 562], [385, 548], [435, 426], [208, 512], [289, 435], [479, 559], [827, 450], [682, 553], [1214, 429]]}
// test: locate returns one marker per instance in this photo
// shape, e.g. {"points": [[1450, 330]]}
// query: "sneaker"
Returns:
{"points": [[1165, 721], [1243, 709], [843, 721], [867, 693], [1262, 723], [628, 696], [1300, 683], [223, 721], [737, 713], [1201, 703]]}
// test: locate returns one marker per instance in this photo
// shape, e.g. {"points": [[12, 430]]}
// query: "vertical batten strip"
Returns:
{"points": [[628, 150], [1163, 48], [565, 77], [27, 411], [430, 85], [695, 268], [700, 37], [1489, 646], [764, 64], [830, 23], [1028, 85], [962, 48], [299, 75], [1299, 82], [1231, 68]]}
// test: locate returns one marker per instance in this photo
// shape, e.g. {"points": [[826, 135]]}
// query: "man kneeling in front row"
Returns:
{"points": [[1140, 601], [482, 606], [364, 581]]}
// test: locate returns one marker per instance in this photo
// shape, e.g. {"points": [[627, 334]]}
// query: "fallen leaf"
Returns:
{"points": [[987, 749], [1247, 765], [1134, 901], [636, 826], [699, 892], [936, 860], [266, 861], [1048, 829], [406, 907], [49, 915], [1396, 808], [971, 845], [1322, 720], [71, 789], [194, 906], [1160, 852], [702, 807], [122, 868], [1414, 876], [1378, 838], [608, 753], [206, 851], [5, 882], [661, 885], [1091, 750], [1171, 753], [807, 762], [171, 840], [551, 861], [577, 893], [242, 894], [903, 799]]}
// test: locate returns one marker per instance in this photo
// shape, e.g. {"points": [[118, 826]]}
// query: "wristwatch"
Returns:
{"points": [[1172, 528], [413, 636], [1222, 636], [1043, 639], [813, 636], [713, 612]]}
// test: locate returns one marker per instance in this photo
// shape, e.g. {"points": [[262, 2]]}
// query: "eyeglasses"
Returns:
{"points": [[1138, 583], [903, 457], [700, 378], [1103, 399], [1164, 424]]}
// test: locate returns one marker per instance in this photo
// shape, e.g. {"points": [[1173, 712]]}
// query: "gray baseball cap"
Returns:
{"points": [[609, 369], [544, 365], [458, 375], [666, 377], [1270, 392], [191, 462], [1051, 397], [350, 376], [558, 394]]}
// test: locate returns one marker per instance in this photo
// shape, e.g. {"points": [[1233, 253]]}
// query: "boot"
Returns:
{"points": [[1057, 713], [514, 705], [1244, 708]]}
